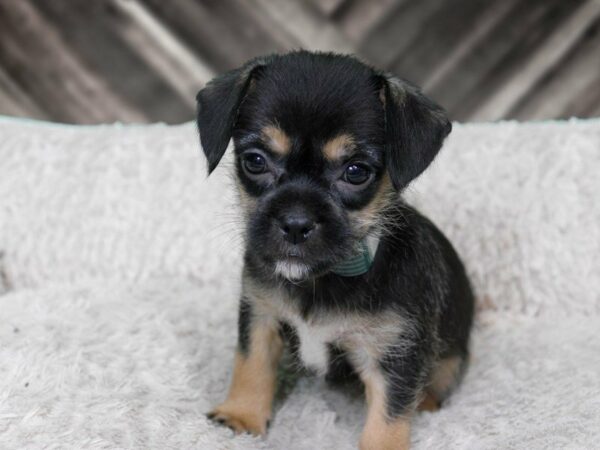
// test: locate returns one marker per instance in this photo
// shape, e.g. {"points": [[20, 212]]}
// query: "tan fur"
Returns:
{"points": [[429, 403], [444, 377], [367, 217], [269, 303], [276, 139], [338, 147], [249, 403], [380, 432], [369, 337], [247, 202]]}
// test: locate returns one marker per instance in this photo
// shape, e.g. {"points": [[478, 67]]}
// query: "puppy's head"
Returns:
{"points": [[323, 144]]}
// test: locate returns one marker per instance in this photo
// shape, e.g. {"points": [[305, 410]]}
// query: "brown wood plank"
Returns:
{"points": [[15, 101], [258, 17], [224, 32], [144, 60], [195, 26], [505, 48], [447, 28], [34, 53], [547, 55], [395, 33], [308, 28], [571, 88], [162, 50], [593, 110], [328, 8], [360, 17], [94, 33], [481, 28]]}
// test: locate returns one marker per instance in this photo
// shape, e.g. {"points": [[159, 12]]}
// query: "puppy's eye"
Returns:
{"points": [[254, 163], [356, 174]]}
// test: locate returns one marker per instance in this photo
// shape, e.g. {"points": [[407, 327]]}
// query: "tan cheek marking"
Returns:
{"points": [[366, 217], [336, 148], [249, 402], [247, 202], [277, 140], [380, 432]]}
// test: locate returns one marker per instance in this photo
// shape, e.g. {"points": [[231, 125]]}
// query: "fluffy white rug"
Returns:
{"points": [[119, 267]]}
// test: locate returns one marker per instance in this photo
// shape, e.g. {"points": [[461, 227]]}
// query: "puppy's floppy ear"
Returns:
{"points": [[415, 128], [218, 105]]}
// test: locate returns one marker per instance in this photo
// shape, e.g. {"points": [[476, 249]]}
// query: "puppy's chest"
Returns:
{"points": [[362, 339], [314, 341]]}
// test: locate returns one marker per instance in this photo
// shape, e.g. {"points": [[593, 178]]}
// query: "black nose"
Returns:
{"points": [[296, 228]]}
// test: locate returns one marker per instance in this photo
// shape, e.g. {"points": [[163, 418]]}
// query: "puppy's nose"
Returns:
{"points": [[296, 228]]}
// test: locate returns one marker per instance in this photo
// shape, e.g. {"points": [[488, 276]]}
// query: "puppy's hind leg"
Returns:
{"points": [[445, 377], [394, 384], [382, 431]]}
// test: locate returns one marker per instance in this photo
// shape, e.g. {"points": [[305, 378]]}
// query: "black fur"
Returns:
{"points": [[415, 129], [397, 132], [244, 319], [218, 104]]}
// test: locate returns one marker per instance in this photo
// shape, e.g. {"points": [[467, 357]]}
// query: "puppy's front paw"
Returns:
{"points": [[240, 418]]}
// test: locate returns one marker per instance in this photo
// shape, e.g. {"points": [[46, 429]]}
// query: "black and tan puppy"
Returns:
{"points": [[324, 145]]}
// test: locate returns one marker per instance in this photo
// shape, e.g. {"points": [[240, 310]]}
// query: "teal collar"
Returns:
{"points": [[361, 262]]}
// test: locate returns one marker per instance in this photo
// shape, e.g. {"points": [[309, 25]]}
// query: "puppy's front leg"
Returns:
{"points": [[249, 402], [382, 432]]}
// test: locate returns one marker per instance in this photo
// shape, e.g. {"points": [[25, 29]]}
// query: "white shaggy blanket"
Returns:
{"points": [[119, 267]]}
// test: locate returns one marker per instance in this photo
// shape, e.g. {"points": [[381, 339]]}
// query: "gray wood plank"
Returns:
{"points": [[94, 31], [400, 27], [482, 27], [446, 29], [557, 44], [15, 101], [224, 32], [143, 60], [500, 55], [328, 7], [37, 56], [308, 28], [571, 88], [360, 17], [155, 43]]}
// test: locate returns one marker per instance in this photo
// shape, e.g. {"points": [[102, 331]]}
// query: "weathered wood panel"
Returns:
{"points": [[143, 60]]}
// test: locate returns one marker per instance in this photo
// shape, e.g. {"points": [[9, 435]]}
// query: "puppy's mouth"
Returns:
{"points": [[293, 269], [293, 265]]}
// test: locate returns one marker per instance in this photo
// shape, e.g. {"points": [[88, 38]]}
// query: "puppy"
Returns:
{"points": [[324, 146]]}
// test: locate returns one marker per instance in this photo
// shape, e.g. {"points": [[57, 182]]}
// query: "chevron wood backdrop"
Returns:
{"points": [[91, 61]]}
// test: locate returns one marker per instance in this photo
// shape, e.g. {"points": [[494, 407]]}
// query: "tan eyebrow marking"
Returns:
{"points": [[338, 147], [276, 139]]}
